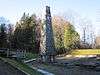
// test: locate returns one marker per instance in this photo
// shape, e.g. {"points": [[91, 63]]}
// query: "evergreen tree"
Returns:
{"points": [[71, 37], [25, 32], [3, 36]]}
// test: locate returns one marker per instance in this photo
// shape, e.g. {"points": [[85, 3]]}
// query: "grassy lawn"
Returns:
{"points": [[86, 52], [21, 66]]}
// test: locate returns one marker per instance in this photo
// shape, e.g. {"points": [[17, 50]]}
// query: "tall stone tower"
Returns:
{"points": [[47, 40]]}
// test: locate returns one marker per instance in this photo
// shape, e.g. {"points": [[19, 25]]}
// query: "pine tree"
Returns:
{"points": [[3, 36], [25, 34], [71, 37]]}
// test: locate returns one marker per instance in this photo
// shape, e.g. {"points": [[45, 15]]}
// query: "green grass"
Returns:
{"points": [[86, 52], [22, 66], [30, 56]]}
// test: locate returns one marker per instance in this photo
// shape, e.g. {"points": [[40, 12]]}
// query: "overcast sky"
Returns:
{"points": [[13, 9]]}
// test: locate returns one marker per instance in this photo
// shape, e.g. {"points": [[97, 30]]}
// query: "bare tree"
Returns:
{"points": [[83, 27]]}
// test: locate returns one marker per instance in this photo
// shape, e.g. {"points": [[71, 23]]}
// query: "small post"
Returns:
{"points": [[7, 52]]}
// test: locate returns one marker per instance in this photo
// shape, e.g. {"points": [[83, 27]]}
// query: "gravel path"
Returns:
{"points": [[6, 69]]}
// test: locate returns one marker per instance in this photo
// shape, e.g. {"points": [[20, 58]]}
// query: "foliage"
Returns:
{"points": [[65, 35], [30, 56], [27, 34], [58, 25], [71, 37], [24, 34], [3, 36]]}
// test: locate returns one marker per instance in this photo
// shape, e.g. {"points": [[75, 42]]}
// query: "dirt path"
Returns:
{"points": [[65, 70], [6, 69]]}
